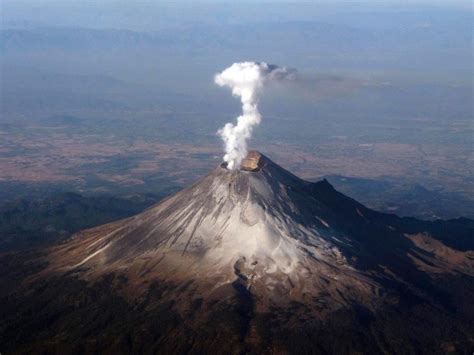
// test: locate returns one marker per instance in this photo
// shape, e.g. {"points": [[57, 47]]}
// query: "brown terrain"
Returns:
{"points": [[55, 156]]}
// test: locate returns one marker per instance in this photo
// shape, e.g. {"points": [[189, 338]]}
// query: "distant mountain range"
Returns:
{"points": [[330, 43]]}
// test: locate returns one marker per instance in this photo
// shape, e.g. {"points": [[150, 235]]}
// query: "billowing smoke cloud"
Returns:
{"points": [[246, 79]]}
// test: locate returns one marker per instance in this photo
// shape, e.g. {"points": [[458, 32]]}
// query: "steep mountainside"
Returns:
{"points": [[251, 260]]}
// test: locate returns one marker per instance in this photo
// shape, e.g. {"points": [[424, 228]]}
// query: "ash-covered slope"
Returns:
{"points": [[247, 256], [276, 232]]}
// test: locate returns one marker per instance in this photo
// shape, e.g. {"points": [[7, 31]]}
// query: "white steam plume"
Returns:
{"points": [[246, 79]]}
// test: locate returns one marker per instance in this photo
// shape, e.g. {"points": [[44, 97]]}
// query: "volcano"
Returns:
{"points": [[252, 260]]}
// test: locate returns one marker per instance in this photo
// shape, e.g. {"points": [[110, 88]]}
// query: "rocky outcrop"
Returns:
{"points": [[252, 162]]}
